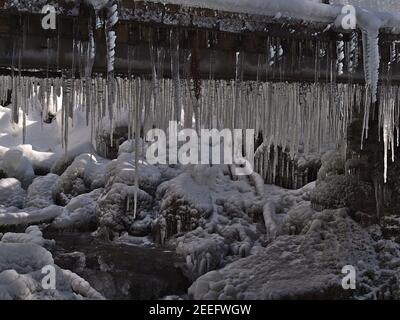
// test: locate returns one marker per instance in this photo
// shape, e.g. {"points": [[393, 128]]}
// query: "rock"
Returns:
{"points": [[115, 210], [306, 266], [40, 192], [16, 165], [79, 213], [204, 252], [85, 174], [21, 276], [28, 216], [341, 191], [183, 203], [32, 235], [11, 193], [122, 170]]}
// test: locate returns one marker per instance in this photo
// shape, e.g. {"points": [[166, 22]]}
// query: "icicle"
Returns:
{"points": [[175, 69], [371, 60], [340, 56]]}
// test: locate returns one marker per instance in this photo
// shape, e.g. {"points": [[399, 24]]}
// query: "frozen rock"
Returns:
{"points": [[296, 267], [14, 217], [86, 173], [40, 192], [203, 252], [11, 193], [32, 235], [16, 165], [41, 161], [66, 160], [115, 210], [79, 213], [122, 170], [21, 276], [297, 219], [184, 202], [129, 147]]}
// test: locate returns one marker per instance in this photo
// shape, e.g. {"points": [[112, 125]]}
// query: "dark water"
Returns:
{"points": [[120, 271]]}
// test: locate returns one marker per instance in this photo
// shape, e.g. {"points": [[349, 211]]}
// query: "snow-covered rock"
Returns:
{"points": [[16, 165], [305, 266], [65, 160], [122, 170], [11, 193], [21, 276], [40, 192], [128, 146], [115, 210], [79, 213], [203, 252], [41, 161], [86, 173], [183, 202], [32, 235], [15, 217]]}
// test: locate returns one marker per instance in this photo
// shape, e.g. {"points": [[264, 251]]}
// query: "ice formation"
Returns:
{"points": [[22, 258]]}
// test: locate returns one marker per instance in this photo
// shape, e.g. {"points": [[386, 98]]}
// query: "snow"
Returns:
{"points": [[123, 170], [296, 267], [79, 213], [14, 217], [39, 193], [16, 165], [86, 173], [115, 208], [11, 193], [32, 235], [21, 277], [301, 9]]}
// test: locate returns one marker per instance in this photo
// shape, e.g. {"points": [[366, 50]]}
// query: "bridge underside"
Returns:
{"points": [[284, 50]]}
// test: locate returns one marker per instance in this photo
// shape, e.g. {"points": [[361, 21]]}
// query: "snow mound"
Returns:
{"points": [[40, 192], [79, 213], [11, 193], [296, 267]]}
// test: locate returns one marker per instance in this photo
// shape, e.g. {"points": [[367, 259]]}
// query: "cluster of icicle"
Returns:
{"points": [[389, 120], [302, 117]]}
